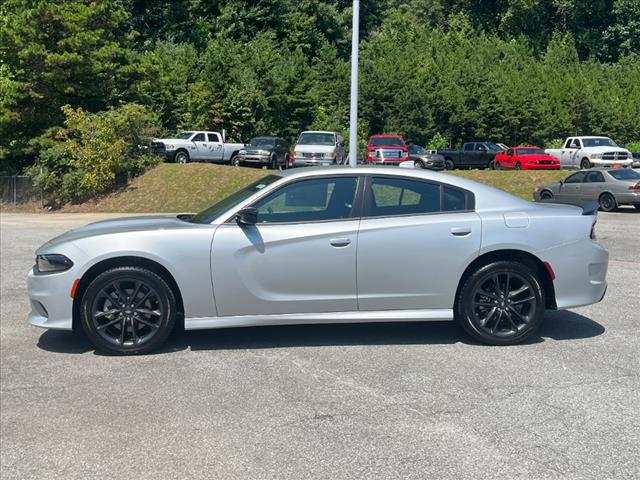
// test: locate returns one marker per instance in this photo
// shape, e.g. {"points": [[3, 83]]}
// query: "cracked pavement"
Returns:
{"points": [[406, 400]]}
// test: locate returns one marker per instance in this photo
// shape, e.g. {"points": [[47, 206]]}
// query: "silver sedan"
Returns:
{"points": [[609, 187], [320, 246]]}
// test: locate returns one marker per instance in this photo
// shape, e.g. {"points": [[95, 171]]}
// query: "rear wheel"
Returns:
{"points": [[607, 202], [501, 303], [128, 311], [448, 164], [585, 164], [235, 161]]}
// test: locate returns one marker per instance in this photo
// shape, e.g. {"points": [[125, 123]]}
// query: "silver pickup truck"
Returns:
{"points": [[196, 146]]}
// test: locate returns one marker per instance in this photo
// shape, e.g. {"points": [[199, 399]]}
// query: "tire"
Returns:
{"points": [[546, 195], [232, 160], [133, 330], [274, 162], [419, 165], [286, 162], [519, 308], [636, 206], [518, 166], [497, 166], [585, 164], [235, 161], [448, 165], [491, 165], [182, 157], [607, 202]]}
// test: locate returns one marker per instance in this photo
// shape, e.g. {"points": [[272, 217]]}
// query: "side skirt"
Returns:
{"points": [[331, 317]]}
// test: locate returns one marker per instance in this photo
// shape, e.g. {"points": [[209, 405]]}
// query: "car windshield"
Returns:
{"points": [[184, 135], [624, 174], [417, 150], [316, 138], [386, 141], [493, 147], [214, 211], [530, 151], [262, 142], [599, 142]]}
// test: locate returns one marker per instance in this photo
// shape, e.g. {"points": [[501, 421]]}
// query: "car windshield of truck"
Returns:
{"points": [[493, 147], [208, 215], [314, 138], [386, 142], [262, 142], [598, 142], [184, 135], [530, 151], [416, 150], [624, 174]]}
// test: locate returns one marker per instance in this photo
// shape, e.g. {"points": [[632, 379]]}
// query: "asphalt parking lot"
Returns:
{"points": [[409, 400]]}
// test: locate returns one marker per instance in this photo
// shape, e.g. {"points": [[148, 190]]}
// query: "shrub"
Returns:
{"points": [[93, 152]]}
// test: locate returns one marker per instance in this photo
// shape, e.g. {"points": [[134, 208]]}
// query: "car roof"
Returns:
{"points": [[383, 135], [318, 131], [527, 146]]}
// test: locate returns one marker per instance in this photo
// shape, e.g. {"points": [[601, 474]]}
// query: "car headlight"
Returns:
{"points": [[330, 155], [264, 152], [169, 146], [596, 156], [52, 263], [242, 152]]}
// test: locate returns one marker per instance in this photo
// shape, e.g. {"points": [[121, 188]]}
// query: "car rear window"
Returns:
{"points": [[624, 174]]}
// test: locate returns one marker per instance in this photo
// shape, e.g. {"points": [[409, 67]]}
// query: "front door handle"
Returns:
{"points": [[460, 231], [340, 242]]}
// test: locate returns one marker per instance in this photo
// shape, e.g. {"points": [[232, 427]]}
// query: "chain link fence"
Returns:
{"points": [[19, 189]]}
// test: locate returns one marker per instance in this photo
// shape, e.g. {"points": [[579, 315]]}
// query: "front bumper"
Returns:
{"points": [[50, 300], [555, 166], [598, 162], [261, 159], [313, 162], [387, 161]]}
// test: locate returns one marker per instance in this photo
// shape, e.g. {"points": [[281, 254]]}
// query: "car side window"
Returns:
{"points": [[402, 196], [453, 199], [568, 142], [213, 137], [510, 152], [480, 147], [595, 177], [576, 178], [468, 147], [319, 199], [575, 143], [198, 138]]}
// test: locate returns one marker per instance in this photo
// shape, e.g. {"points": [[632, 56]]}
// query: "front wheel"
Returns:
{"points": [[636, 206], [585, 164], [182, 157], [235, 161], [448, 165], [518, 166], [274, 162], [419, 165], [607, 202], [128, 311], [501, 303]]}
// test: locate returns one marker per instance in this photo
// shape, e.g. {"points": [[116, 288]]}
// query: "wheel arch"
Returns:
{"points": [[125, 261], [514, 255]]}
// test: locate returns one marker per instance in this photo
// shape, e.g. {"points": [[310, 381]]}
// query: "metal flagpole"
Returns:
{"points": [[353, 114]]}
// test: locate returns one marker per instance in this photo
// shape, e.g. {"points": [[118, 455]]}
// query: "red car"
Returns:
{"points": [[526, 158], [386, 150]]}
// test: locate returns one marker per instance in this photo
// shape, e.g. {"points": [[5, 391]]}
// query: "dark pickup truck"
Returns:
{"points": [[472, 155]]}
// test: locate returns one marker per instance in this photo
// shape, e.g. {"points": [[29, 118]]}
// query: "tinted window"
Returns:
{"points": [[530, 151], [316, 138], [576, 178], [595, 177], [468, 146], [261, 142], [599, 142], [386, 142], [624, 174], [453, 199], [309, 200], [198, 138], [480, 147], [401, 196]]}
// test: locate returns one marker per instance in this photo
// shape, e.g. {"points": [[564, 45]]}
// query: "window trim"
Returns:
{"points": [[355, 211], [470, 201]]}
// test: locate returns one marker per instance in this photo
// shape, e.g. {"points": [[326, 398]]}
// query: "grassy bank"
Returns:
{"points": [[189, 188]]}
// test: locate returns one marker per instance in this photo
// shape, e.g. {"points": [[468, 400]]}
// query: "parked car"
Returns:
{"points": [[610, 187], [386, 149], [318, 148], [526, 158], [422, 158], [472, 155], [587, 152], [196, 146], [268, 151], [313, 246]]}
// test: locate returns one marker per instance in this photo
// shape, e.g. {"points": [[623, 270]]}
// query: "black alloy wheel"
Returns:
{"points": [[607, 202], [128, 310], [501, 304]]}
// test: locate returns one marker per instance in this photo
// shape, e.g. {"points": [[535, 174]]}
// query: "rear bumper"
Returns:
{"points": [[630, 198]]}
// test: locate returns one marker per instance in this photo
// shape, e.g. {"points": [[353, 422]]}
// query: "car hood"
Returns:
{"points": [[118, 225], [315, 148], [169, 140]]}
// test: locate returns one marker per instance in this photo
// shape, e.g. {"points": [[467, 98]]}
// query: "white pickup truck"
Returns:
{"points": [[196, 146], [587, 152]]}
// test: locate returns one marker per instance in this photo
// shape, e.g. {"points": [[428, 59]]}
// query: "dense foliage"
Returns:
{"points": [[437, 71]]}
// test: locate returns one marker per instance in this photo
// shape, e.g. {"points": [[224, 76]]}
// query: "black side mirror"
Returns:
{"points": [[247, 216]]}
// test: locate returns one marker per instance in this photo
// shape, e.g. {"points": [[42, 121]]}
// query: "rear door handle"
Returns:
{"points": [[460, 231], [340, 242]]}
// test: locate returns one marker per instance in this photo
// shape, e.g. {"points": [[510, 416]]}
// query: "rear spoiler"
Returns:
{"points": [[588, 208]]}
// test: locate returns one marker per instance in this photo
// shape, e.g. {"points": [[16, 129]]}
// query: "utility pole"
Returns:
{"points": [[353, 114]]}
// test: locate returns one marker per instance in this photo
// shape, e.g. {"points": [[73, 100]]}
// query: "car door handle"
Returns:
{"points": [[460, 231], [340, 242]]}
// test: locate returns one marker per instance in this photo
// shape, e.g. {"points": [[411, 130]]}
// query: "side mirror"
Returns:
{"points": [[247, 216]]}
